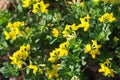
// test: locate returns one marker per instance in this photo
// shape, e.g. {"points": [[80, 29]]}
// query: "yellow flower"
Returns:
{"points": [[27, 29], [7, 35], [14, 60], [95, 45], [92, 50], [107, 62], [52, 59], [35, 8], [87, 48], [82, 4], [87, 17], [105, 68], [14, 30], [26, 3], [34, 67], [19, 63], [116, 39], [43, 7], [55, 32], [53, 72], [86, 26], [64, 45], [66, 31], [63, 52], [17, 24], [40, 71], [74, 27], [50, 74], [13, 35], [53, 56], [9, 24], [59, 52], [85, 23], [28, 47], [16, 54], [97, 1], [22, 48], [40, 6], [24, 55], [55, 67], [67, 27], [20, 55], [107, 17]]}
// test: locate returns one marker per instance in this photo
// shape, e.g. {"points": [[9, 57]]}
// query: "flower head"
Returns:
{"points": [[55, 32], [26, 3], [107, 17], [34, 67], [105, 68], [92, 49]]}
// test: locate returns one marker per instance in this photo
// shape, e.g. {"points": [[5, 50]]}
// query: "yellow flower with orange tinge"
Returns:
{"points": [[93, 49], [55, 32], [105, 68], [107, 17]]}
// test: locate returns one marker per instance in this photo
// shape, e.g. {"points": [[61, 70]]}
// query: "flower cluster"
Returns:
{"points": [[53, 72], [34, 67], [40, 6], [37, 5], [21, 55], [85, 23], [13, 30], [26, 3], [69, 31], [92, 49], [107, 18], [70, 28], [59, 52], [105, 67]]}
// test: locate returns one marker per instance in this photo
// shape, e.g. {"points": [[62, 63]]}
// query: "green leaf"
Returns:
{"points": [[20, 7]]}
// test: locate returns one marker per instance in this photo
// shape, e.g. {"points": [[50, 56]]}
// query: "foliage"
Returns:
{"points": [[57, 40]]}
